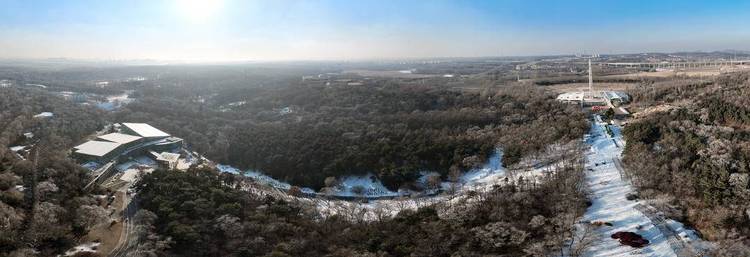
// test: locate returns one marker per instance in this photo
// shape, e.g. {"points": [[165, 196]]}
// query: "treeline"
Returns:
{"points": [[304, 134], [551, 81], [649, 92], [204, 213], [700, 156], [43, 209]]}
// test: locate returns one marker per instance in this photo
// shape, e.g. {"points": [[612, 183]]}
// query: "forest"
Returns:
{"points": [[299, 132], [304, 133], [697, 155], [202, 212], [43, 209]]}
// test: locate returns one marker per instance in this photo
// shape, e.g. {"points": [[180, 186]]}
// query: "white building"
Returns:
{"points": [[570, 97]]}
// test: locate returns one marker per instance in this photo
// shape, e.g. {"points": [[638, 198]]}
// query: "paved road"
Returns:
{"points": [[127, 238]]}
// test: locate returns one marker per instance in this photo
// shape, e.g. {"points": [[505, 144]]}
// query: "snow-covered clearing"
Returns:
{"points": [[113, 102], [480, 180], [370, 185], [260, 178], [373, 188], [609, 204], [87, 247], [17, 148], [376, 201], [44, 115]]}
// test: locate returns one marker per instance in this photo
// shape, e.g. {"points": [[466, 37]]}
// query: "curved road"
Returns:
{"points": [[128, 239]]}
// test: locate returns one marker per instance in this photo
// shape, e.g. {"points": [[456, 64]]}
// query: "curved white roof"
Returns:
{"points": [[96, 148], [119, 138], [145, 130]]}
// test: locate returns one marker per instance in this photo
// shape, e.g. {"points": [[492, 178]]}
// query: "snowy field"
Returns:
{"points": [[609, 189]]}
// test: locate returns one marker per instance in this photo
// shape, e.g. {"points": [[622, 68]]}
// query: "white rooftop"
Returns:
{"points": [[145, 130], [170, 157], [119, 138], [574, 96], [581, 96], [96, 148]]}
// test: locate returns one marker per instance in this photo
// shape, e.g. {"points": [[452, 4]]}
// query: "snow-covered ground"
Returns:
{"points": [[115, 101], [381, 202], [44, 115], [131, 175], [609, 204], [374, 188], [87, 247], [260, 178], [370, 185], [17, 148], [480, 180], [140, 160], [493, 168]]}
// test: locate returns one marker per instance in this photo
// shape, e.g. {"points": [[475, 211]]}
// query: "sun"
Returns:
{"points": [[199, 11]]}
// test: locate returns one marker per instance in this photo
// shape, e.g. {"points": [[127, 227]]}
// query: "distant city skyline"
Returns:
{"points": [[255, 30]]}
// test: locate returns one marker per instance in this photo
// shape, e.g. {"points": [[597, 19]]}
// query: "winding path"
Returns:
{"points": [[127, 236]]}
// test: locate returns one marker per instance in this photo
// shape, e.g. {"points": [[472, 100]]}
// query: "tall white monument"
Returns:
{"points": [[591, 79]]}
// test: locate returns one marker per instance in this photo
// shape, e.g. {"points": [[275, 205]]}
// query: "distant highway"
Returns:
{"points": [[676, 64]]}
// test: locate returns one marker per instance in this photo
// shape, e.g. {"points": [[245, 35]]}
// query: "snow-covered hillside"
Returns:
{"points": [[373, 188]]}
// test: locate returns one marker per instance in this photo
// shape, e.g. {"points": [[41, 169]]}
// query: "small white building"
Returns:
{"points": [[570, 97], [588, 98]]}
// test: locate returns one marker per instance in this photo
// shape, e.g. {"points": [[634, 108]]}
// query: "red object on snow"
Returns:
{"points": [[630, 238], [599, 107]]}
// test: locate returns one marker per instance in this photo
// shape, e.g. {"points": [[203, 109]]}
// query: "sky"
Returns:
{"points": [[255, 30]]}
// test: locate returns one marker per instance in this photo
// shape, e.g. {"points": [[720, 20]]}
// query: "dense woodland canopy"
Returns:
{"points": [[204, 213], [305, 133], [302, 133], [52, 219], [698, 154]]}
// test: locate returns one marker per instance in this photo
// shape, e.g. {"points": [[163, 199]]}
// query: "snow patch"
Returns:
{"points": [[87, 247], [370, 185], [44, 115], [261, 178], [493, 168]]}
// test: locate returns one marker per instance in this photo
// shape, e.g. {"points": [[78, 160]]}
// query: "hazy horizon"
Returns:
{"points": [[244, 31]]}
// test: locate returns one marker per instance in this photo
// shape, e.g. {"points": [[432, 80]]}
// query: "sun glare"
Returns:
{"points": [[199, 11]]}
